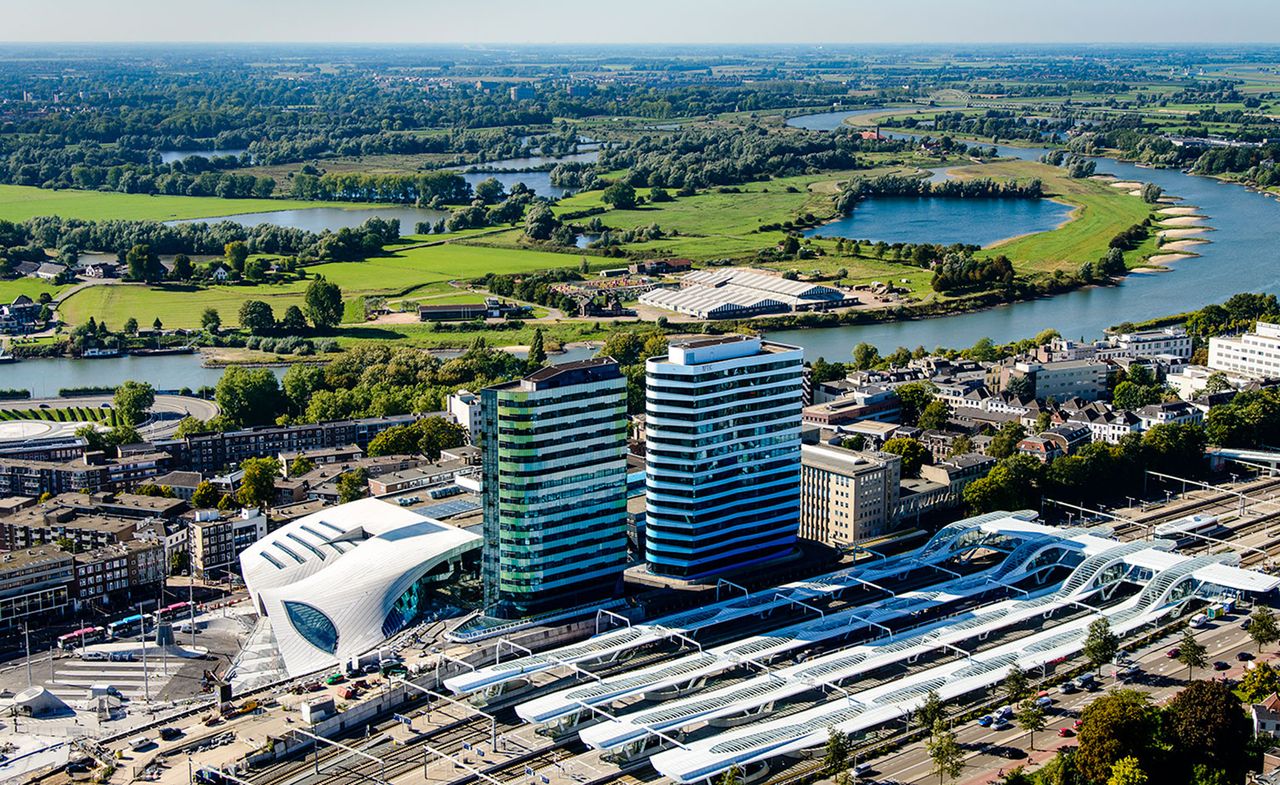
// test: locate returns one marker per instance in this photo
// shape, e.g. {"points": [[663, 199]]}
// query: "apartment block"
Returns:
{"points": [[847, 497]]}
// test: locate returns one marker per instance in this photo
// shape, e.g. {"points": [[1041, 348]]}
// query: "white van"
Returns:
{"points": [[140, 743], [1199, 620]]}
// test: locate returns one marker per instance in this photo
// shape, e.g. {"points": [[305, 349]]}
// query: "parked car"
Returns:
{"points": [[1248, 622], [1002, 724], [1066, 732], [335, 678], [170, 733], [1220, 665], [1044, 702], [986, 720], [1243, 656]]}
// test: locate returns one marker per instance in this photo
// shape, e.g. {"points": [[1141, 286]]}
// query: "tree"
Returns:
{"points": [[1100, 643], [204, 497], [1259, 682], [236, 254], [323, 304], [133, 400], [258, 485], [1016, 684], [1175, 448], [1005, 442], [1262, 626], [489, 191], [1205, 724], [248, 396], [353, 485], [731, 776], [620, 196], [181, 268], [300, 466], [143, 264], [1120, 724], [837, 755], [157, 325], [624, 346], [930, 711], [211, 321], [1191, 652], [1127, 771], [257, 317], [912, 452], [179, 562], [914, 396], [427, 436], [936, 415], [293, 322], [131, 326], [1151, 193], [537, 352], [946, 753], [1031, 719], [865, 356]]}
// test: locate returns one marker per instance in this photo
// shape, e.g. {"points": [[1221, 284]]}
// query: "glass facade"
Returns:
{"points": [[554, 465], [722, 442]]}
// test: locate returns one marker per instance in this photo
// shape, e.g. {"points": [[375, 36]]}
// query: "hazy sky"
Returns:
{"points": [[637, 21]]}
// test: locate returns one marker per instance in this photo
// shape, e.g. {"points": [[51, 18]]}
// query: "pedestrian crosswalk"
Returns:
{"points": [[73, 677]]}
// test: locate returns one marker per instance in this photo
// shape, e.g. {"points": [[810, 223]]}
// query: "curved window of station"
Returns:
{"points": [[313, 625]]}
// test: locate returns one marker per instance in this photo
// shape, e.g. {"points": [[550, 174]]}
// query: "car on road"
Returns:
{"points": [[1220, 665], [94, 656], [1123, 656], [1066, 732], [334, 678], [1044, 702], [1243, 656], [1129, 672], [863, 769], [170, 733], [1068, 687], [1171, 653], [371, 668], [1246, 624], [986, 720]]}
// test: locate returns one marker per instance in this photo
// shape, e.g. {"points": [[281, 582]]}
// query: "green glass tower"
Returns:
{"points": [[555, 488]]}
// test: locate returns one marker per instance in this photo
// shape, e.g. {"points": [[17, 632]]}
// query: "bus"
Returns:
{"points": [[174, 611], [81, 637], [129, 625]]}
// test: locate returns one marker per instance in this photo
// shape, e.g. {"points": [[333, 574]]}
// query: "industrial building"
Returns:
{"points": [[733, 292]]}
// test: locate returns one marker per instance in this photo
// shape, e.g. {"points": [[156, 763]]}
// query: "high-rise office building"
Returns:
{"points": [[555, 487], [722, 450]]}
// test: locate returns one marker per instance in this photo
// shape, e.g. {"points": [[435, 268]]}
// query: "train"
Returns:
{"points": [[1190, 530]]}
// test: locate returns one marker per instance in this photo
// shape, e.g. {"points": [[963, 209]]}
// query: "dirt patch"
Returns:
{"points": [[1184, 220]]}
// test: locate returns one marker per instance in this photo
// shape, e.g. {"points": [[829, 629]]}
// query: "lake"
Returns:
{"points": [[911, 219], [169, 156], [1241, 258], [506, 171], [317, 219]]}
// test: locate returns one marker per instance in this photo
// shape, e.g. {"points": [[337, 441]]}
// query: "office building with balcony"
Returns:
{"points": [[555, 488], [723, 420]]}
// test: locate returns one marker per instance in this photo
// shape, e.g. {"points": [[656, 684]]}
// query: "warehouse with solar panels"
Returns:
{"points": [[734, 292]]}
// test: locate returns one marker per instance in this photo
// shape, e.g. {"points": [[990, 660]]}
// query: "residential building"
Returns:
{"points": [[847, 497], [430, 475], [34, 583], [1179, 412], [723, 419], [555, 487], [182, 484], [322, 456], [1056, 442], [1172, 341], [1266, 716], [867, 403], [1254, 354], [464, 406], [1085, 379], [20, 315], [93, 472], [217, 539]]}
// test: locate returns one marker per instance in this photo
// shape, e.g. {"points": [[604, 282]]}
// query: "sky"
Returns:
{"points": [[644, 21]]}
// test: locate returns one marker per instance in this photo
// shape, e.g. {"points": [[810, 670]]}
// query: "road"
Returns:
{"points": [[1162, 678], [167, 412]]}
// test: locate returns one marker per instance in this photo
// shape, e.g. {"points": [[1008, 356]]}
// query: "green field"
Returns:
{"points": [[20, 203], [99, 414], [31, 287], [1101, 212], [412, 272]]}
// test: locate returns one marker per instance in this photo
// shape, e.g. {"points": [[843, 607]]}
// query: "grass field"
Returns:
{"points": [[99, 414], [20, 202], [31, 287], [412, 272], [1101, 212]]}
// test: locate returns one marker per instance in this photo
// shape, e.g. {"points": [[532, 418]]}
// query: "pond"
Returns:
{"points": [[170, 156], [507, 171], [910, 219], [829, 121], [317, 219]]}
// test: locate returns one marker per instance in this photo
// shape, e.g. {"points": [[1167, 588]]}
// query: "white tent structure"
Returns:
{"points": [[338, 583]]}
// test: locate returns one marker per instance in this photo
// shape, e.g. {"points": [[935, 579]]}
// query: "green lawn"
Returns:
{"points": [[405, 273], [20, 203], [1101, 212], [31, 287]]}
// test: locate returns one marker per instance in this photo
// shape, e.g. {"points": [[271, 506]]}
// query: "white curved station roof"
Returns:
{"points": [[337, 600]]}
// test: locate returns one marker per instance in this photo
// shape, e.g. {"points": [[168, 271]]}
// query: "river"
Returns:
{"points": [[1241, 257], [166, 372]]}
